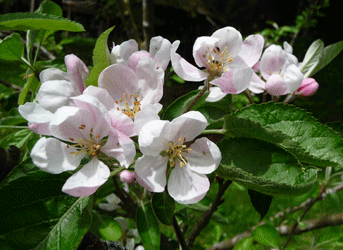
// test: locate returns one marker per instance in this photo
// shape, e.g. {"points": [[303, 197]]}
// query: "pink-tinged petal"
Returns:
{"points": [[229, 38], [119, 79], [133, 60], [257, 85], [293, 78], [154, 137], [40, 128], [122, 122], [234, 81], [188, 126], [308, 87], [184, 69], [186, 186], [77, 71], [204, 156], [54, 156], [53, 74], [87, 180], [148, 113], [151, 80], [126, 176], [275, 85], [272, 60], [120, 147], [202, 47], [150, 172], [127, 48], [215, 94], [252, 49], [160, 49], [55, 94]]}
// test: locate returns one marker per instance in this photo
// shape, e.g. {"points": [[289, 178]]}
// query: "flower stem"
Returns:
{"points": [[179, 234], [116, 171], [203, 90], [214, 131]]}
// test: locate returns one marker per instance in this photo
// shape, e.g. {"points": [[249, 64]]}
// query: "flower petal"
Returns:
{"points": [[204, 156], [275, 85], [160, 48], [252, 49], [215, 94], [184, 69], [52, 74], [230, 39], [188, 126], [154, 137], [54, 156], [257, 85], [186, 186], [148, 113], [150, 172], [88, 179], [293, 78], [77, 71]]}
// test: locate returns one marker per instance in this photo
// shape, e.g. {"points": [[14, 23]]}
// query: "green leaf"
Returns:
{"points": [[37, 21], [49, 7], [11, 48], [32, 83], [244, 244], [261, 202], [264, 167], [164, 207], [148, 227], [105, 227], [36, 214], [101, 58], [329, 53], [266, 235], [182, 103], [309, 140], [18, 138], [312, 57]]}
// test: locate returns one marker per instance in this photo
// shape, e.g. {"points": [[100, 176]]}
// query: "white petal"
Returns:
{"points": [[293, 78], [252, 49], [215, 95], [202, 46], [204, 156], [272, 60], [54, 156], [160, 49], [275, 85], [88, 179], [53, 74], [150, 172], [154, 137], [33, 112], [148, 113], [101, 94], [229, 38], [184, 69], [188, 126], [257, 85], [186, 186], [55, 94]]}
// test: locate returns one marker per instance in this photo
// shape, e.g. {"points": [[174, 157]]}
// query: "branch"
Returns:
{"points": [[148, 22], [204, 219], [10, 85], [326, 220], [124, 11]]}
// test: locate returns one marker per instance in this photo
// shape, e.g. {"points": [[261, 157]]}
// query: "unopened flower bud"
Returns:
{"points": [[308, 87], [126, 176]]}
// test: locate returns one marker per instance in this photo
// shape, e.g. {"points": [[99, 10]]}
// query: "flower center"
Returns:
{"points": [[217, 61], [91, 146], [175, 152], [130, 107]]}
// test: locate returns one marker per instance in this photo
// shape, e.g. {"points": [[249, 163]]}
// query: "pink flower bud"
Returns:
{"points": [[126, 176], [308, 87]]}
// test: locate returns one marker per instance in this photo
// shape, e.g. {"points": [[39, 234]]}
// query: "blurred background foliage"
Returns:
{"points": [[297, 22]]}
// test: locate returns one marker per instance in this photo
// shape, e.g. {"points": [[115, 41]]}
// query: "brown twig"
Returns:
{"points": [[203, 90], [205, 217], [179, 234], [148, 22], [325, 221]]}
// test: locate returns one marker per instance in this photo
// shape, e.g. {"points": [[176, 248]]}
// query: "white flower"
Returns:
{"points": [[165, 146], [56, 90], [82, 131]]}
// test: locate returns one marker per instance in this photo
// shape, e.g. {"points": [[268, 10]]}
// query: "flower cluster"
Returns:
{"points": [[91, 130]]}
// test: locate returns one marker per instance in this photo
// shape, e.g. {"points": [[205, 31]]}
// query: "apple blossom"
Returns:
{"points": [[226, 59], [159, 50], [280, 70], [136, 92], [82, 131], [166, 146], [56, 89]]}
